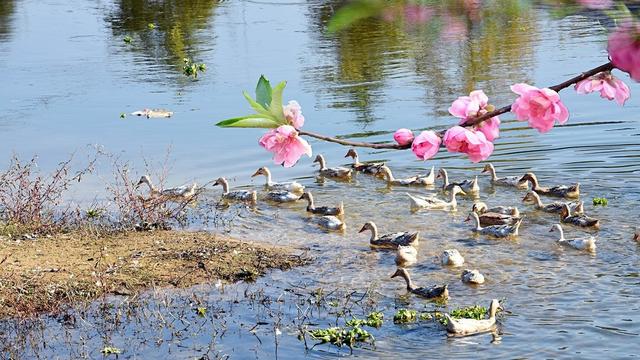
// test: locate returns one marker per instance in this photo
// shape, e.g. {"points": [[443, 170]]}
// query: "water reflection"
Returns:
{"points": [[7, 7], [174, 34]]}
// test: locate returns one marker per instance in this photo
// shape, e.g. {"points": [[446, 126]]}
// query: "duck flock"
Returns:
{"points": [[492, 221]]}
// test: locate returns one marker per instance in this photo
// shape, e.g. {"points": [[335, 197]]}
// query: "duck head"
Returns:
{"points": [[145, 179], [479, 207], [369, 225], [487, 168], [261, 171], [351, 153]]}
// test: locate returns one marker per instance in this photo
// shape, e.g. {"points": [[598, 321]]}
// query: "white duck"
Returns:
{"points": [[481, 208], [554, 207], [494, 230], [390, 241], [418, 180], [588, 244], [452, 257], [330, 222], [241, 195], [433, 203], [472, 277], [504, 181], [292, 186], [406, 255], [469, 186], [180, 193], [334, 172], [473, 326]]}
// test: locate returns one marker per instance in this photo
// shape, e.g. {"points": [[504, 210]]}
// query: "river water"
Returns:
{"points": [[67, 75]]}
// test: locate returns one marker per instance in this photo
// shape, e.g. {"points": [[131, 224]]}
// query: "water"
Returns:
{"points": [[64, 88]]}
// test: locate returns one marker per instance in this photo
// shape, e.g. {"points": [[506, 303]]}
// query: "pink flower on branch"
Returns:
{"points": [[476, 104], [624, 48], [608, 85], [403, 136], [473, 143], [541, 107], [293, 113], [426, 145], [286, 145]]}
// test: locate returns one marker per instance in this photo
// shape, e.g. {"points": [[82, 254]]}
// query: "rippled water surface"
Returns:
{"points": [[67, 75]]}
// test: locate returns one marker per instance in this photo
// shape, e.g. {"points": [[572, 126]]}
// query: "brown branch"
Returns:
{"points": [[503, 110]]}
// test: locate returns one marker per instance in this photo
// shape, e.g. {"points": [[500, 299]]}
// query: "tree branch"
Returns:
{"points": [[563, 85]]}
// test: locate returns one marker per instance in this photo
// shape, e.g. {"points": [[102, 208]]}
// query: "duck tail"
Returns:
{"points": [[341, 208], [580, 208], [517, 224], [254, 197], [416, 203]]}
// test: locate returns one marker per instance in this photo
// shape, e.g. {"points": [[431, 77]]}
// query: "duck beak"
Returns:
{"points": [[258, 172], [463, 193], [364, 228], [467, 219]]}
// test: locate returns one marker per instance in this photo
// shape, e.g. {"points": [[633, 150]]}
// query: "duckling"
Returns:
{"points": [[429, 293], [241, 195], [504, 181], [433, 203], [372, 168], [322, 210], [180, 193], [472, 277], [572, 191], [390, 241], [588, 244], [481, 208], [418, 180], [469, 186], [452, 257], [331, 223], [473, 326], [494, 230], [335, 172], [495, 218], [406, 255], [581, 220], [282, 196], [554, 207], [292, 186]]}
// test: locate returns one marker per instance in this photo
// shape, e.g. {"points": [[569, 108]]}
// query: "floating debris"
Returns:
{"points": [[600, 201], [110, 350], [153, 113], [128, 39], [151, 26], [192, 69]]}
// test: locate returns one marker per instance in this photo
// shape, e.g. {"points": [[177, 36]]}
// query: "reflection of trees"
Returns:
{"points": [[457, 50], [7, 7], [176, 24]]}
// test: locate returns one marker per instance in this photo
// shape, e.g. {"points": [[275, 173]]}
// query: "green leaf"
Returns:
{"points": [[276, 102], [353, 12], [263, 92], [256, 106], [250, 121]]}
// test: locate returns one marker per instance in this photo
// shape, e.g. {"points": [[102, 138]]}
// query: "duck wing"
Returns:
{"points": [[432, 292]]}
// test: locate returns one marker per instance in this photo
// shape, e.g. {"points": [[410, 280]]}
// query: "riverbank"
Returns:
{"points": [[47, 274]]}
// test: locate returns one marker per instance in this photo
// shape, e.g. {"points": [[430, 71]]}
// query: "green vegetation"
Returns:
{"points": [[375, 320], [151, 26], [404, 316], [110, 350], [340, 336], [128, 39], [192, 69], [123, 115], [201, 311], [600, 201], [476, 312]]}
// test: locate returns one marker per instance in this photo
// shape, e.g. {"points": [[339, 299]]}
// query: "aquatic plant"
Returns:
{"points": [[404, 316], [600, 201], [123, 115], [110, 350], [339, 336], [374, 319], [127, 39], [192, 69], [151, 26]]}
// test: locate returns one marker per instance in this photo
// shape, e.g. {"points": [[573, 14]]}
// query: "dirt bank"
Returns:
{"points": [[46, 274]]}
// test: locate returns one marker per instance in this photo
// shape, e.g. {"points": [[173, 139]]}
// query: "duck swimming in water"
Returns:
{"points": [[432, 292], [565, 191]]}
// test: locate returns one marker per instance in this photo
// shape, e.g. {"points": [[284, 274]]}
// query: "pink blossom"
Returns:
{"points": [[293, 114], [541, 107], [608, 85], [426, 145], [403, 136], [476, 104], [417, 14], [472, 143], [624, 48], [596, 4], [285, 144]]}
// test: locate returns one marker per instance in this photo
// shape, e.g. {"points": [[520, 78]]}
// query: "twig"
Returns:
{"points": [[563, 85]]}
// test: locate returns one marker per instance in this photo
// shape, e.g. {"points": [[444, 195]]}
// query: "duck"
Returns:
{"points": [[331, 223], [500, 217], [292, 186], [473, 326], [432, 292], [372, 168], [390, 241], [472, 277], [241, 195], [581, 220], [469, 186], [588, 244], [334, 172], [180, 193], [514, 181], [282, 196], [433, 203], [418, 180], [321, 210], [452, 257], [495, 230], [406, 255], [554, 207], [565, 191]]}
